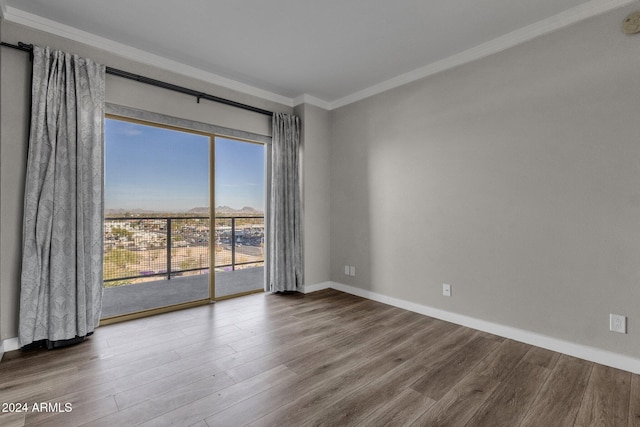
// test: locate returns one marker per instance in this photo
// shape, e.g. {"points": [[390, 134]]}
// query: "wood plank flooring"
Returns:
{"points": [[322, 359]]}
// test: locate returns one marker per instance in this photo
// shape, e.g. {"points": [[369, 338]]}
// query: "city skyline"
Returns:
{"points": [[151, 168]]}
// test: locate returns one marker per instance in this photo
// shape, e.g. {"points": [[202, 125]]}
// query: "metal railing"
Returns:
{"points": [[141, 247]]}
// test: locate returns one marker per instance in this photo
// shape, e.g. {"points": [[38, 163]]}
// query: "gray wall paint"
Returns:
{"points": [[515, 178], [13, 148], [14, 130], [1, 254], [316, 192]]}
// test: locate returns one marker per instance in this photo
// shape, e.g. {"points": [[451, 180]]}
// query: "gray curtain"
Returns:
{"points": [[61, 282], [285, 231]]}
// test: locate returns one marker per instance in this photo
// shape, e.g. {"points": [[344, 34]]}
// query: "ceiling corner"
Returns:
{"points": [[3, 8], [311, 100]]}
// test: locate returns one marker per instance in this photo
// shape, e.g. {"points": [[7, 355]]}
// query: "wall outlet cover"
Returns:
{"points": [[617, 323], [446, 289]]}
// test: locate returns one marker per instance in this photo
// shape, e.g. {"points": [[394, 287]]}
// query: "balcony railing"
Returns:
{"points": [[138, 248]]}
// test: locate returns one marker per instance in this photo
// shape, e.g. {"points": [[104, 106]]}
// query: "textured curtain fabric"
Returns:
{"points": [[61, 282], [285, 235]]}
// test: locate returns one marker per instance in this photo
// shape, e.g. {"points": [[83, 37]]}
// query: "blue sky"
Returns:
{"points": [[157, 169]]}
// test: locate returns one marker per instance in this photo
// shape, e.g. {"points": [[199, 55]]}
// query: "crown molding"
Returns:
{"points": [[524, 34], [34, 21], [311, 100]]}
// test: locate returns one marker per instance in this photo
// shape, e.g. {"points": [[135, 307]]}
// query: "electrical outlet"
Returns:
{"points": [[346, 270], [352, 270], [617, 323], [446, 290]]}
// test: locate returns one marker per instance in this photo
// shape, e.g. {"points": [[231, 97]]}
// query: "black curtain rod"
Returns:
{"points": [[158, 83]]}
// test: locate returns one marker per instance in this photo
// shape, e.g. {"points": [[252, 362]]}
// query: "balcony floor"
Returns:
{"points": [[129, 299]]}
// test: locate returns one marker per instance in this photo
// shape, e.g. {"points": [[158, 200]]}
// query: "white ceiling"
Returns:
{"points": [[334, 51]]}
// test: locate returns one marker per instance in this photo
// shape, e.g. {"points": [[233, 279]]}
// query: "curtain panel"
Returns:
{"points": [[285, 231], [61, 281]]}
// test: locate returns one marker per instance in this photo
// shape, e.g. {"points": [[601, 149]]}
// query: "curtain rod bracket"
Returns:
{"points": [[27, 47]]}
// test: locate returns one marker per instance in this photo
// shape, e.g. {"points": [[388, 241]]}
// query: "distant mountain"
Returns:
{"points": [[225, 209], [202, 210], [196, 211], [249, 209], [230, 210], [125, 211]]}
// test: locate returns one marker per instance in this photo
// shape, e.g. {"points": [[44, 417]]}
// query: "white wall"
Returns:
{"points": [[515, 178], [15, 68]]}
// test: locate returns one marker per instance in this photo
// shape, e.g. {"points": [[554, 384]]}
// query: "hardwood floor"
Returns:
{"points": [[322, 359]]}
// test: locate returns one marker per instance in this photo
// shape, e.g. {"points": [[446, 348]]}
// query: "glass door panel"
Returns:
{"points": [[239, 217], [157, 225]]}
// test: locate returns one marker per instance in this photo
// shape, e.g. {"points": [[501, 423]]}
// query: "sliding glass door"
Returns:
{"points": [[163, 233]]}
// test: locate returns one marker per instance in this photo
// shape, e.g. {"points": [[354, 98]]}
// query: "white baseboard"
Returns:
{"points": [[316, 287], [591, 354], [8, 345]]}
